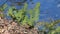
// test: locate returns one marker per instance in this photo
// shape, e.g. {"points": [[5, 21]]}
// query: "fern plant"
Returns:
{"points": [[51, 27], [34, 14], [55, 31], [22, 17]]}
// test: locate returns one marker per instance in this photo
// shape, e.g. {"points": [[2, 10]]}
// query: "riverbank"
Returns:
{"points": [[11, 27]]}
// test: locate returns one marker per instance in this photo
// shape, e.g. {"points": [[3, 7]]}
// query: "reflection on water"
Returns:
{"points": [[58, 5]]}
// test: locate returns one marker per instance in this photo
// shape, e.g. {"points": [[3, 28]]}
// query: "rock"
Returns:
{"points": [[1, 20], [6, 32], [14, 24]]}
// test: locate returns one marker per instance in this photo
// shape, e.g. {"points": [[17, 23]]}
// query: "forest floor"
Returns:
{"points": [[11, 27]]}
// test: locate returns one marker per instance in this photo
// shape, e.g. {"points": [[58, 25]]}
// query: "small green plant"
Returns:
{"points": [[25, 16], [2, 8], [55, 31], [51, 27]]}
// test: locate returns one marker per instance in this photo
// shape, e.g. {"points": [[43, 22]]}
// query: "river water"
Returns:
{"points": [[48, 8]]}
